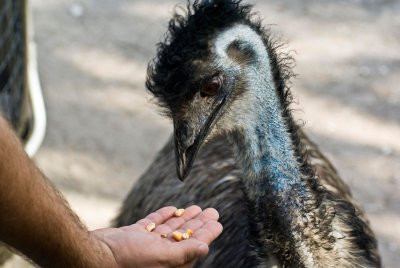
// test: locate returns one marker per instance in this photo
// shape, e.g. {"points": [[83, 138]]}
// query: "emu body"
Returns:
{"points": [[282, 203]]}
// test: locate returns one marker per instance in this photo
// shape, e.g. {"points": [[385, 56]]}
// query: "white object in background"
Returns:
{"points": [[38, 130]]}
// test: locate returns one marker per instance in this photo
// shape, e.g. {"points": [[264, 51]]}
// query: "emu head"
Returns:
{"points": [[202, 73]]}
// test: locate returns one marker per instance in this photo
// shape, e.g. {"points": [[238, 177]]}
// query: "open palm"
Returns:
{"points": [[134, 246]]}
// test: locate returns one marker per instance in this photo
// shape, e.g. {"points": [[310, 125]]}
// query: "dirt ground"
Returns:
{"points": [[103, 132]]}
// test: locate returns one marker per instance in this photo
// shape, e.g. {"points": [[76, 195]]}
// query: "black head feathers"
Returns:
{"points": [[187, 40], [170, 73]]}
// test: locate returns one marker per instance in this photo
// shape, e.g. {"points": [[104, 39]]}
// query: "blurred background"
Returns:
{"points": [[103, 132]]}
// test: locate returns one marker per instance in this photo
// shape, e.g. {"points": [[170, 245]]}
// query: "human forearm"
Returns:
{"points": [[34, 218]]}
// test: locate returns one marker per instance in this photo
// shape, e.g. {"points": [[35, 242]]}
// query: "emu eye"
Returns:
{"points": [[212, 88]]}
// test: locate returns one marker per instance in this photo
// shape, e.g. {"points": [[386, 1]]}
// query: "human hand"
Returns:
{"points": [[134, 246]]}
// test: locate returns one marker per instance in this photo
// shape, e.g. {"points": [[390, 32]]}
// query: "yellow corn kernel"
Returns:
{"points": [[179, 212], [177, 236], [185, 236], [151, 227], [189, 232]]}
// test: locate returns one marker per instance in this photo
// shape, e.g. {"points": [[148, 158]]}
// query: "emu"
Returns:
{"points": [[220, 79]]}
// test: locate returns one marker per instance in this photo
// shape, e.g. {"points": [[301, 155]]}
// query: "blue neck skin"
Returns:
{"points": [[267, 154]]}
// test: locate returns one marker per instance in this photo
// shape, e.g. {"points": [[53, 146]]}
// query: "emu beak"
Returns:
{"points": [[190, 135], [187, 143]]}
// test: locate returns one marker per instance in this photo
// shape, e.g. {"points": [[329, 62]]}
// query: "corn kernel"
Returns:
{"points": [[189, 232], [179, 212], [185, 236], [177, 236], [151, 227]]}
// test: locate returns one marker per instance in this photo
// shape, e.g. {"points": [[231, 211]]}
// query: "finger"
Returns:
{"points": [[167, 228], [176, 222], [158, 217], [187, 265], [202, 218], [208, 232], [163, 229], [185, 252], [193, 224], [208, 214]]}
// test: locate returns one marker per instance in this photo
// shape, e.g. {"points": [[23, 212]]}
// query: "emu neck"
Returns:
{"points": [[265, 147], [266, 152], [273, 179]]}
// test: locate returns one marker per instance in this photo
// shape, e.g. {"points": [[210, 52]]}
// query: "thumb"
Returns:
{"points": [[187, 251]]}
